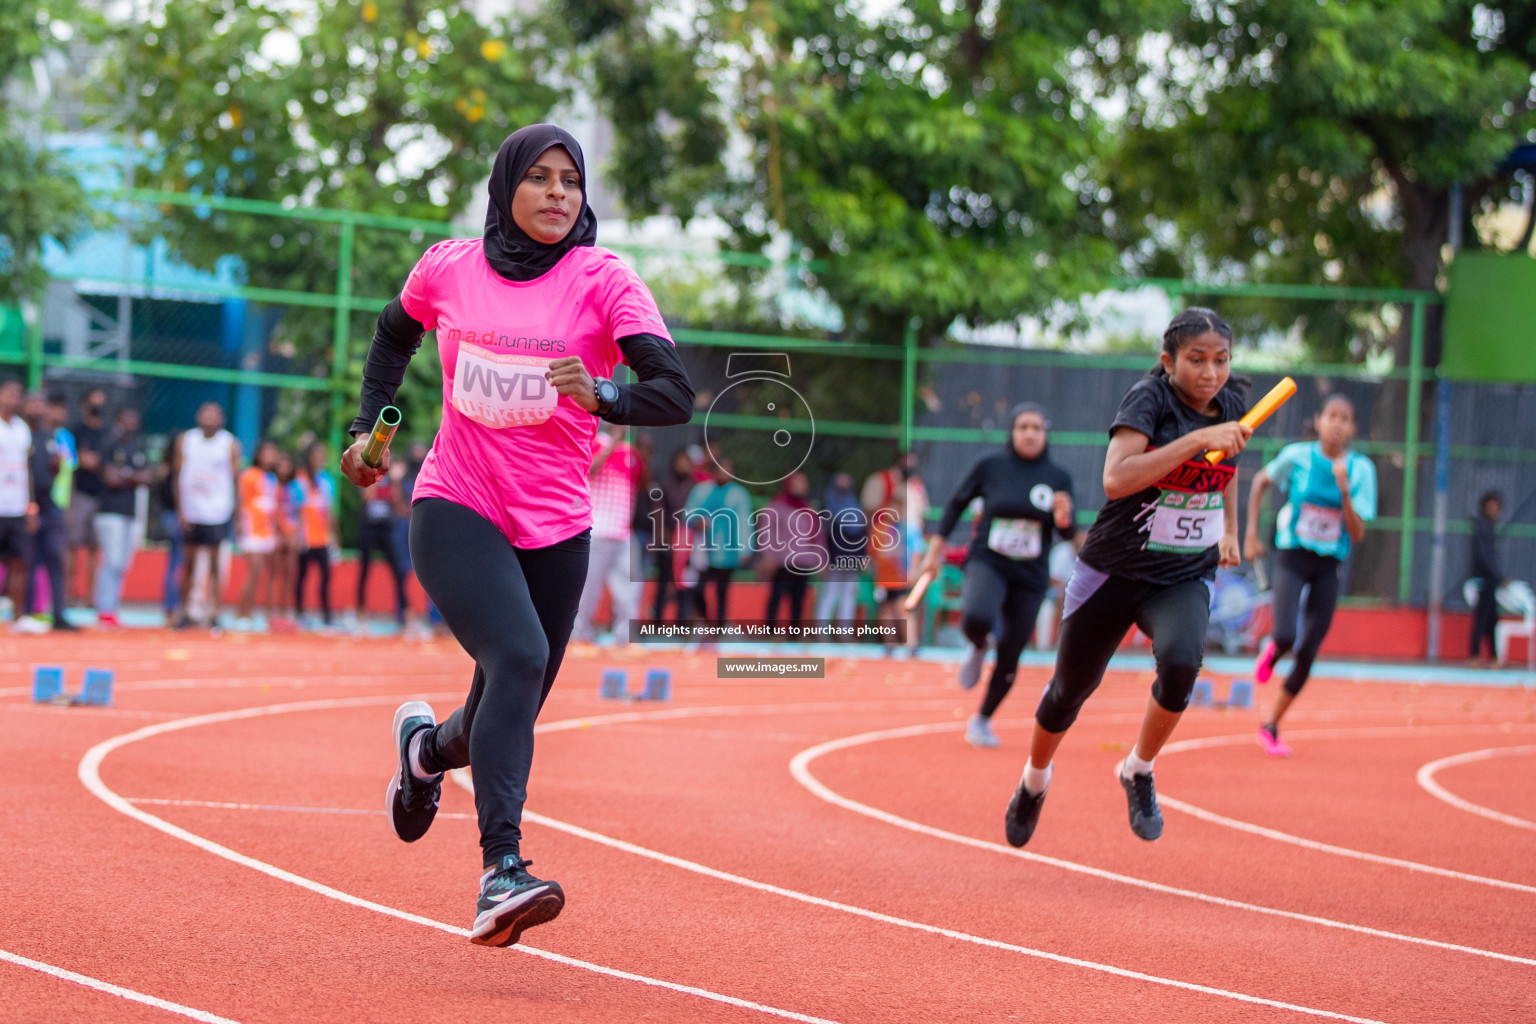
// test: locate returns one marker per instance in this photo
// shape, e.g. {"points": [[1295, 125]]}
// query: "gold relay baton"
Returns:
{"points": [[379, 437]]}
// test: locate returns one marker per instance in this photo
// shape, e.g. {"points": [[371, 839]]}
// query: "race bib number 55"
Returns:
{"points": [[502, 389], [1187, 524]]}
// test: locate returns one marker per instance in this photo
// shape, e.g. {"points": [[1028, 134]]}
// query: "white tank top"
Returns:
{"points": [[15, 444], [207, 480]]}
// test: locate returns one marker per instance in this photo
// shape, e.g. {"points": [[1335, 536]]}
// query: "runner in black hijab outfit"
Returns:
{"points": [[1025, 499], [530, 322]]}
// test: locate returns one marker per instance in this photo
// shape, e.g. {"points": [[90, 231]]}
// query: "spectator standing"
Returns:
{"points": [[18, 515], [257, 491], [1489, 572], [897, 505], [285, 557], [669, 497], [124, 469], [612, 479], [50, 458], [416, 455], [47, 540], [69, 458], [376, 532], [207, 460], [789, 541], [847, 538], [314, 497], [90, 435], [719, 512], [170, 525]]}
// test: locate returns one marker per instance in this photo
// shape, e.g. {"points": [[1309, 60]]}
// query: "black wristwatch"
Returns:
{"points": [[607, 395]]}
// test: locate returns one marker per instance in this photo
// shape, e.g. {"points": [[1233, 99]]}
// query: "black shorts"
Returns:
{"points": [[14, 543], [206, 534]]}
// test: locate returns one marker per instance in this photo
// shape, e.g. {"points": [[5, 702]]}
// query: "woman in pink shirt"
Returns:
{"points": [[531, 319]]}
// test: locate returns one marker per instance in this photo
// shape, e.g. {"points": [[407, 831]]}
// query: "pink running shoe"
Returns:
{"points": [[1264, 664], [1273, 745]]}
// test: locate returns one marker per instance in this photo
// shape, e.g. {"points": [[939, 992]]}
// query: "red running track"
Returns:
{"points": [[214, 848]]}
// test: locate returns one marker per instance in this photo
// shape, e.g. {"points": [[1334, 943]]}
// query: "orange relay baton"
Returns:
{"points": [[1278, 396], [918, 590]]}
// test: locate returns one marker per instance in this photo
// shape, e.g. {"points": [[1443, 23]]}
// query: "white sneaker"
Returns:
{"points": [[31, 625], [979, 733]]}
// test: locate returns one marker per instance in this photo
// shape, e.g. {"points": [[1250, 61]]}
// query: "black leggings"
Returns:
{"points": [[1296, 568], [667, 588], [787, 583], [1485, 618], [512, 610], [721, 578], [322, 559], [1097, 613], [984, 594], [379, 535]]}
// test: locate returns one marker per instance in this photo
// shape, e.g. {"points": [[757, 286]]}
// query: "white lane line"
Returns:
{"points": [[1338, 851], [226, 806], [799, 767], [1426, 777], [463, 779], [115, 990], [1390, 732], [90, 776]]}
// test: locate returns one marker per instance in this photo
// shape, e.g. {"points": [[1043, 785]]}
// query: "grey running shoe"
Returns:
{"points": [[970, 668], [511, 901], [979, 733], [1141, 801]]}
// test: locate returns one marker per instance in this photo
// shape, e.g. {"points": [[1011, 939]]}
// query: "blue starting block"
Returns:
{"points": [[1241, 694], [1202, 696], [47, 682], [658, 684], [96, 692], [615, 684]]}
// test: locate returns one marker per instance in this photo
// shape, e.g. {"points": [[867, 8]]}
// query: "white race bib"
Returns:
{"points": [[501, 389], [13, 485], [1187, 524], [1015, 538], [204, 483], [1319, 524]]}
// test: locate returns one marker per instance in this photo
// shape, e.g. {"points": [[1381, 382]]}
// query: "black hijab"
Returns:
{"points": [[510, 250], [1045, 418]]}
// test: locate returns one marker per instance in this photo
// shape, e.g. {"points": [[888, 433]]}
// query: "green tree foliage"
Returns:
{"points": [[381, 106], [39, 197], [938, 156], [1307, 141]]}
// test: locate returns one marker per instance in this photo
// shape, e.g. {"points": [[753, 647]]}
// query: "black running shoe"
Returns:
{"points": [[1023, 814], [412, 802], [511, 901], [1141, 800]]}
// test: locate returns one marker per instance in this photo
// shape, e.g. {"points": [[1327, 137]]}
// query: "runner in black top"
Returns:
{"points": [[1024, 494], [1149, 558]]}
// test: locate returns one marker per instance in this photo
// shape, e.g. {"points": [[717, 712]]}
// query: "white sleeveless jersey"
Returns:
{"points": [[15, 445], [207, 480]]}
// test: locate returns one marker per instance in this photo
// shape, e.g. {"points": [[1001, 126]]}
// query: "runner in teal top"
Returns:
{"points": [[1313, 514], [1330, 496]]}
